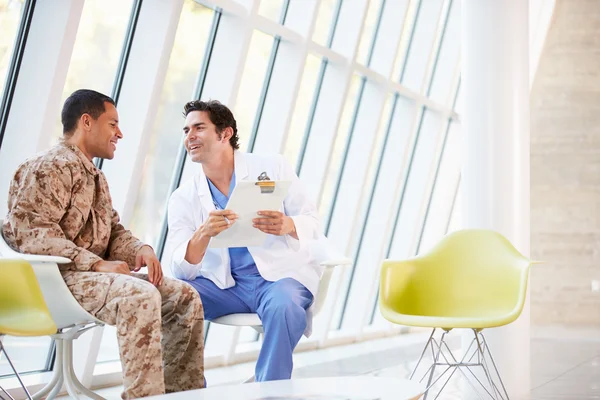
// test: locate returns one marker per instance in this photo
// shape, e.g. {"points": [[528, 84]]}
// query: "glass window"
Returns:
{"points": [[247, 335], [458, 105], [97, 50], [341, 140], [325, 21], [423, 36], [272, 9], [366, 39], [447, 62], [301, 110], [10, 18], [440, 207], [455, 222], [382, 209], [165, 139], [27, 354], [415, 194], [346, 233], [405, 37], [251, 84]]}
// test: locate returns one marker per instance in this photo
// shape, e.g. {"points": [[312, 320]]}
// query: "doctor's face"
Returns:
{"points": [[202, 141]]}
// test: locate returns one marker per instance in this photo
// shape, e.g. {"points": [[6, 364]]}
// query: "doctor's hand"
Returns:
{"points": [[217, 222], [275, 223]]}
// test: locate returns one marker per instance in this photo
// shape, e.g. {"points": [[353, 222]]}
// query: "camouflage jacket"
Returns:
{"points": [[59, 204]]}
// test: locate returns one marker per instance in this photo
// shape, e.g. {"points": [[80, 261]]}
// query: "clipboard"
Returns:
{"points": [[247, 198]]}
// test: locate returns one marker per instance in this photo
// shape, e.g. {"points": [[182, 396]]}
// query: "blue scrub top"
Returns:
{"points": [[241, 260]]}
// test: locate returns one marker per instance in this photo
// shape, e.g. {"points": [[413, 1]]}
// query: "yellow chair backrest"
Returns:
{"points": [[470, 273], [23, 311]]}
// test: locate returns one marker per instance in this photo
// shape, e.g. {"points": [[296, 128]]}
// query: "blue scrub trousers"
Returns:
{"points": [[281, 306]]}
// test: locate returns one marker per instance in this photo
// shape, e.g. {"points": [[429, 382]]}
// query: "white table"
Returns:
{"points": [[332, 388]]}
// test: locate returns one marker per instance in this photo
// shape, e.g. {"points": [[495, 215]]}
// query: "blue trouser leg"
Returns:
{"points": [[218, 302], [282, 309]]}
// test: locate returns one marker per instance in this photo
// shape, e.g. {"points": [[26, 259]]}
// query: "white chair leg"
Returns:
{"points": [[53, 387], [71, 381], [82, 389], [68, 369]]}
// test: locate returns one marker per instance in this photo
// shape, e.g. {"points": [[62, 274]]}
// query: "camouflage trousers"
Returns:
{"points": [[153, 363]]}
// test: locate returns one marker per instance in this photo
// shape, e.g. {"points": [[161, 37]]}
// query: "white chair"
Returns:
{"points": [[252, 319], [70, 318]]}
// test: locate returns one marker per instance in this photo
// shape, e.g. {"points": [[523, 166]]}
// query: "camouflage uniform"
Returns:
{"points": [[59, 204]]}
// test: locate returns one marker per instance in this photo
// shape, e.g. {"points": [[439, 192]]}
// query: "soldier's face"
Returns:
{"points": [[202, 141], [105, 134]]}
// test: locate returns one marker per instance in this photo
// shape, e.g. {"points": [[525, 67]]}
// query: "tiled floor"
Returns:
{"points": [[565, 364]]}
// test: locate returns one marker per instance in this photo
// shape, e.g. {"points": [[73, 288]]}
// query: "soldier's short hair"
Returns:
{"points": [[82, 101]]}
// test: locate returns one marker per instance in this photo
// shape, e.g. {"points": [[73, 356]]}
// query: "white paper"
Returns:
{"points": [[246, 200]]}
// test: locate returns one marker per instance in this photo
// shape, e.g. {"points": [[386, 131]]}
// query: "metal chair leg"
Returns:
{"points": [[3, 350], [489, 353], [467, 362], [422, 354], [435, 363]]}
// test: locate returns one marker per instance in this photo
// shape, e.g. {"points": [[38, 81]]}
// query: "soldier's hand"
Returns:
{"points": [[146, 257], [116, 267], [217, 222]]}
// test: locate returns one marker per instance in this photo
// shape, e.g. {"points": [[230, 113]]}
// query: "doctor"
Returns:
{"points": [[278, 280]]}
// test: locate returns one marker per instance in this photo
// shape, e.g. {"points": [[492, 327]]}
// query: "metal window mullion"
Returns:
{"points": [[436, 58], [375, 33], [334, 22], [263, 95], [132, 26], [456, 190], [15, 64], [400, 201], [182, 155], [368, 210], [51, 357], [311, 116], [124, 59], [410, 42], [284, 11]]}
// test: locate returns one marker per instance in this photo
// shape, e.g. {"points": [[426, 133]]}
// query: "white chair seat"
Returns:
{"points": [[242, 319]]}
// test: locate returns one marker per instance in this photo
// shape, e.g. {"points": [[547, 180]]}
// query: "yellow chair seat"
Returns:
{"points": [[27, 323], [472, 279], [23, 311], [493, 319]]}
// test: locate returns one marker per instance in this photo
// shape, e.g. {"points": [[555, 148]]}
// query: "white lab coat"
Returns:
{"points": [[279, 257]]}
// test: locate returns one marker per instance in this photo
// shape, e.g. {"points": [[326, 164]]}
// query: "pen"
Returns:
{"points": [[218, 207]]}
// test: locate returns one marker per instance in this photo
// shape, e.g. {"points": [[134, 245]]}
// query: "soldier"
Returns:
{"points": [[59, 204]]}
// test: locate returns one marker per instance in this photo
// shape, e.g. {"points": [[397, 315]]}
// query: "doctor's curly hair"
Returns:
{"points": [[219, 115]]}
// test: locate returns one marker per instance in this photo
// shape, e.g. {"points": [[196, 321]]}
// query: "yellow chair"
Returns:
{"points": [[23, 311], [472, 279]]}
